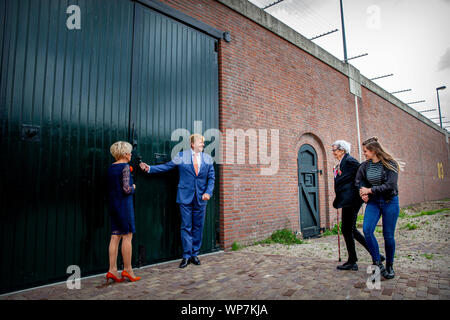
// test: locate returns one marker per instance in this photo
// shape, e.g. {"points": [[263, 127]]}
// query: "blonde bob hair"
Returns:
{"points": [[120, 148]]}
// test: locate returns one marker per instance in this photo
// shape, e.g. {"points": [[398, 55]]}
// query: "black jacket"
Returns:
{"points": [[389, 178], [347, 194]]}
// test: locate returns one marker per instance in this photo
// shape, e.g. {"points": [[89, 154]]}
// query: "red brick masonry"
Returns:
{"points": [[267, 82]]}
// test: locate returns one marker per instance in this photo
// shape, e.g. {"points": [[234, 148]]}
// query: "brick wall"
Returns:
{"points": [[409, 139], [268, 83]]}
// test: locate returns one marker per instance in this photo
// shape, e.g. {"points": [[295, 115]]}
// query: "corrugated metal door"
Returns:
{"points": [[175, 82], [64, 98]]}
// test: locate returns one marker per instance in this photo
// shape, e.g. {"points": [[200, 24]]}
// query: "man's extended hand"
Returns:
{"points": [[144, 166], [206, 197]]}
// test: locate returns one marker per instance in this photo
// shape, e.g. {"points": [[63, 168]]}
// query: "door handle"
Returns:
{"points": [[134, 141]]}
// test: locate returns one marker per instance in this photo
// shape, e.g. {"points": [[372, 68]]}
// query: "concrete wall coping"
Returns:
{"points": [[256, 14]]}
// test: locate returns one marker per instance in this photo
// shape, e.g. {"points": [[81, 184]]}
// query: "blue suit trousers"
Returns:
{"points": [[192, 221]]}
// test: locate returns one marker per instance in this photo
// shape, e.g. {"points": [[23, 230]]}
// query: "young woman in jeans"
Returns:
{"points": [[376, 180]]}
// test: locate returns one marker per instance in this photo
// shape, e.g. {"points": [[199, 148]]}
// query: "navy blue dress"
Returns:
{"points": [[120, 191]]}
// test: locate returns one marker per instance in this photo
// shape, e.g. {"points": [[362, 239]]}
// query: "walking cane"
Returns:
{"points": [[339, 241]]}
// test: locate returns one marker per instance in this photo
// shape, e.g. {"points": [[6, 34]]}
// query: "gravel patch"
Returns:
{"points": [[422, 242]]}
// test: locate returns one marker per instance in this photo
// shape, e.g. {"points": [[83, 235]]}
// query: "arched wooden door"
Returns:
{"points": [[308, 191]]}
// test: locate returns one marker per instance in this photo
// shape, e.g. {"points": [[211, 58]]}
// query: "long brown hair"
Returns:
{"points": [[388, 161]]}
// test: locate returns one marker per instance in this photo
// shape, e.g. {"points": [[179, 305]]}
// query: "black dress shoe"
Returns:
{"points": [[184, 262], [195, 260], [348, 266]]}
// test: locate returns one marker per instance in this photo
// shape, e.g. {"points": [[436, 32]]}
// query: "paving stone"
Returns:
{"points": [[387, 292], [248, 275], [411, 283], [397, 296], [410, 296], [433, 291], [401, 285], [289, 292], [421, 294]]}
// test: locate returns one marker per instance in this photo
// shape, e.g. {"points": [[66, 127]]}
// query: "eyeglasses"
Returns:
{"points": [[334, 150]]}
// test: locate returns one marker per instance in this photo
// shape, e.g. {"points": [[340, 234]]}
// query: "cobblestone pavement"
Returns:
{"points": [[280, 272], [248, 275]]}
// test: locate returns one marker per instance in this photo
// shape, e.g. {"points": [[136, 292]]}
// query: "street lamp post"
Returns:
{"points": [[343, 33], [439, 105]]}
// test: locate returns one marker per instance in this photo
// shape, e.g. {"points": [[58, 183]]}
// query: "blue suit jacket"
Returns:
{"points": [[190, 184]]}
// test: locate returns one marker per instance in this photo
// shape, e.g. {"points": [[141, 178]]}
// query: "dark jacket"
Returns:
{"points": [[389, 178], [347, 194]]}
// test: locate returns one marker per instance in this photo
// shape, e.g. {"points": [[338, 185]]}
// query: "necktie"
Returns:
{"points": [[195, 164]]}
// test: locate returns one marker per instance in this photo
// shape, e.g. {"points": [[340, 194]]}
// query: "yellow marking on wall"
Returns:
{"points": [[440, 168]]}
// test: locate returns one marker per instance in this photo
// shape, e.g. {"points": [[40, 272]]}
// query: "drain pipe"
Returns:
{"points": [[363, 207], [357, 126]]}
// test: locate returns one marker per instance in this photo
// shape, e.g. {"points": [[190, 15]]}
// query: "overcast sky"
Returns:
{"points": [[409, 38]]}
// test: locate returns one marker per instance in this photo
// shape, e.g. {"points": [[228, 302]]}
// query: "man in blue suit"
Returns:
{"points": [[195, 188]]}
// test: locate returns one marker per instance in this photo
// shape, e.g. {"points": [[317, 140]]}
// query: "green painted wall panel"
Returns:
{"points": [[74, 85]]}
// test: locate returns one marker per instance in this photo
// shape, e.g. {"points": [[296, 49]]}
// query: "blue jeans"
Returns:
{"points": [[389, 212]]}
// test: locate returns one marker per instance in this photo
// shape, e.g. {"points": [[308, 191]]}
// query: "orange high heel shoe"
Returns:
{"points": [[126, 275], [109, 275]]}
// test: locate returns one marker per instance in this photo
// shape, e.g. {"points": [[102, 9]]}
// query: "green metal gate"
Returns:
{"points": [[65, 96], [175, 82]]}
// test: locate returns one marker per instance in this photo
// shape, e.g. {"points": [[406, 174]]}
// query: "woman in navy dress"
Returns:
{"points": [[120, 192]]}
